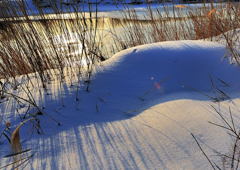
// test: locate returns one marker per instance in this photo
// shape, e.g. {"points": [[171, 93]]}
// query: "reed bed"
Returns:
{"points": [[44, 46], [43, 43], [67, 46]]}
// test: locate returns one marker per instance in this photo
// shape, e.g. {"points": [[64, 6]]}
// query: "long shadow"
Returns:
{"points": [[119, 92]]}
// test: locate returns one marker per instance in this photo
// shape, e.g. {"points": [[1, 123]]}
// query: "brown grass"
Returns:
{"points": [[16, 144]]}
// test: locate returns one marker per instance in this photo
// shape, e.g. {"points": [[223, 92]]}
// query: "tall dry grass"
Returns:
{"points": [[51, 46], [179, 22], [46, 45]]}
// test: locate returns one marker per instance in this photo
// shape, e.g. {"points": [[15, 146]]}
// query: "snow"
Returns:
{"points": [[112, 8], [142, 106], [177, 65]]}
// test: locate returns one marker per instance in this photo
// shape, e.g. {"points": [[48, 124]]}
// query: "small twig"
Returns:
{"points": [[211, 163], [23, 159], [14, 154]]}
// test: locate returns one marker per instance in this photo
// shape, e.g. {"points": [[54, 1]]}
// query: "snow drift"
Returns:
{"points": [[139, 113], [170, 67]]}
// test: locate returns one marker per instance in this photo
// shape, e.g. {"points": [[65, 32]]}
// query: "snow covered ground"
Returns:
{"points": [[141, 109]]}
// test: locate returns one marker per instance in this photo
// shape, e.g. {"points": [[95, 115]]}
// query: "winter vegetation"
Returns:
{"points": [[119, 85]]}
